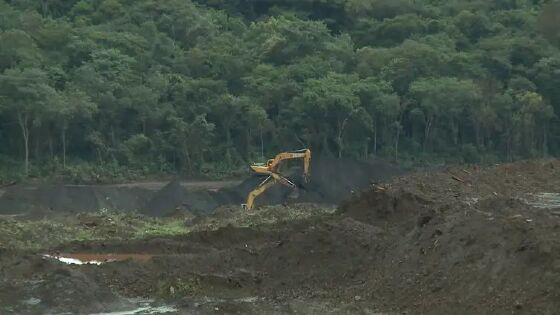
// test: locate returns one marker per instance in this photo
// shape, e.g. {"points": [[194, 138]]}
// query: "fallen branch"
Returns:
{"points": [[457, 179], [377, 187]]}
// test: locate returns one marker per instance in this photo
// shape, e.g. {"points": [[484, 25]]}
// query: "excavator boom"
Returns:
{"points": [[271, 168], [273, 165]]}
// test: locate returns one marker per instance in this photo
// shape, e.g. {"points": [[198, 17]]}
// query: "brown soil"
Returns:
{"points": [[459, 241]]}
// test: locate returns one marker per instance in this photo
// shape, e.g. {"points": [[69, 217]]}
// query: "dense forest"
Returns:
{"points": [[143, 87]]}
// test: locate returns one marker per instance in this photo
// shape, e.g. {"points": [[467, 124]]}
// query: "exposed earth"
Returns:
{"points": [[362, 238]]}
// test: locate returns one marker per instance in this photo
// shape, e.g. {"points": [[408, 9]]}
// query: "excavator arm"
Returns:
{"points": [[266, 184], [304, 154], [271, 168]]}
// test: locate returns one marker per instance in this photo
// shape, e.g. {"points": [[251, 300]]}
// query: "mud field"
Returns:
{"points": [[466, 240]]}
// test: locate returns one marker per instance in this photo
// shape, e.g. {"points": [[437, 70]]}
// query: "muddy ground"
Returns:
{"points": [[466, 240]]}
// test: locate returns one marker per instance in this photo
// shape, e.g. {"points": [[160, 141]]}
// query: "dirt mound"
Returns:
{"points": [[472, 183], [471, 244], [169, 198], [332, 180], [173, 198], [401, 208], [463, 247], [20, 199], [37, 284]]}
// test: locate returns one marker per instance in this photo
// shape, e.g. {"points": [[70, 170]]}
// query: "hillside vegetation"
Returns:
{"points": [[144, 87]]}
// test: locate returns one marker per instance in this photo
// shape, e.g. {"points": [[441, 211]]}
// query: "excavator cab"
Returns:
{"points": [[271, 169]]}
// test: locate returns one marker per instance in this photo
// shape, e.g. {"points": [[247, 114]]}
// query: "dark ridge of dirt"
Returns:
{"points": [[514, 180], [171, 197], [48, 199], [332, 180], [123, 198], [400, 208]]}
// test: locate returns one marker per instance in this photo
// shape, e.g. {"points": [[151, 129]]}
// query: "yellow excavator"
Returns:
{"points": [[272, 169]]}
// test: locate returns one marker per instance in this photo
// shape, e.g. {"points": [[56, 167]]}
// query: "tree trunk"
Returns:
{"points": [[44, 7], [509, 144], [262, 143], [427, 133], [545, 141], [339, 140], [51, 146], [228, 145], [477, 136], [23, 121], [397, 136], [325, 147], [187, 160], [399, 126], [340, 135], [113, 137], [202, 158], [248, 136], [455, 129], [534, 137], [63, 138], [37, 146], [375, 140]]}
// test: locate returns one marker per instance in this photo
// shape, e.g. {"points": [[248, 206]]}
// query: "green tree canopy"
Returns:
{"points": [[191, 86]]}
